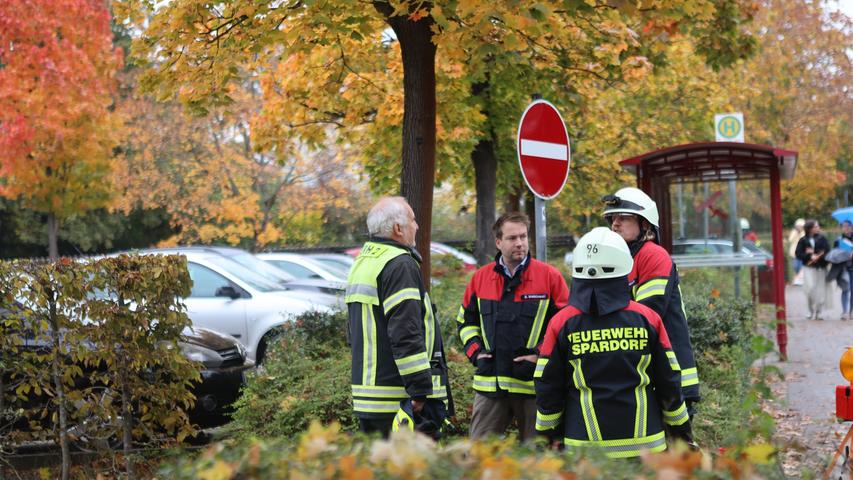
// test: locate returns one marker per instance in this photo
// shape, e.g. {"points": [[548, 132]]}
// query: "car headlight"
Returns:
{"points": [[197, 353]]}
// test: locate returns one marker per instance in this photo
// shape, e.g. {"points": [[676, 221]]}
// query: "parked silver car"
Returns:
{"points": [[230, 298], [340, 260], [301, 266], [711, 246], [284, 279]]}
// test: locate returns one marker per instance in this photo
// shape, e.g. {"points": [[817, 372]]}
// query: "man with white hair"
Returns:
{"points": [[395, 338]]}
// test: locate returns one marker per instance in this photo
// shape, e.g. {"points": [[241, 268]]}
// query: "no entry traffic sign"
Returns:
{"points": [[544, 153]]}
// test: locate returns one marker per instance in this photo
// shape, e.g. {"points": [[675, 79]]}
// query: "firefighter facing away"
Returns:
{"points": [[505, 310], [654, 278], [606, 375], [394, 335]]}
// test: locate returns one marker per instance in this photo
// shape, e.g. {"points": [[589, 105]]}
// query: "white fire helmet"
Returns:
{"points": [[632, 200], [600, 254]]}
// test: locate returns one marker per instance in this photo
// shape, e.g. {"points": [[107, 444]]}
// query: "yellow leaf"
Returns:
{"points": [[218, 471], [760, 453]]}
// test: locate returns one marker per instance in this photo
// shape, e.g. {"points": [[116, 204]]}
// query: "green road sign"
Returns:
{"points": [[729, 127]]}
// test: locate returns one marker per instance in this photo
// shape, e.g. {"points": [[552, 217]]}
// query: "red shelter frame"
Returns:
{"points": [[721, 161]]}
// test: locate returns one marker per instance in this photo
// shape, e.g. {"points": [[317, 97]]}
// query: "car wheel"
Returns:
{"points": [[262, 349]]}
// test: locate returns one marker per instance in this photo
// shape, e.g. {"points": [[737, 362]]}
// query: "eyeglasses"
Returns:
{"points": [[622, 217]]}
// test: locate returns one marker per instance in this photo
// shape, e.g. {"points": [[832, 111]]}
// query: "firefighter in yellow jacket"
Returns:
{"points": [[394, 335], [607, 376]]}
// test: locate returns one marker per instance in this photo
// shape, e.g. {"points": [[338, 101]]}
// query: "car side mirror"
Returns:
{"points": [[228, 291]]}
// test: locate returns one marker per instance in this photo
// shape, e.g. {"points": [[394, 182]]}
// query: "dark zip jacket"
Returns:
{"points": [[395, 337], [654, 283], [821, 244], [507, 317], [607, 376]]}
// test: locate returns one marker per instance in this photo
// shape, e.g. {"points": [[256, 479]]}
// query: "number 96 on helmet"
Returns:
{"points": [[601, 254]]}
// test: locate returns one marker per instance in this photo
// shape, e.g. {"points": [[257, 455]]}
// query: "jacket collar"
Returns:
{"points": [[635, 245], [519, 271], [387, 241], [600, 297]]}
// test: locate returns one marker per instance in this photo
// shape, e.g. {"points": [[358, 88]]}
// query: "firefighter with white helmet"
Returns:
{"points": [[654, 278], [606, 375]]}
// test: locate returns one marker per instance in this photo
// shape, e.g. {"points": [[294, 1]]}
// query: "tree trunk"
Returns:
{"points": [[512, 201], [485, 175], [485, 181], [57, 363], [417, 177], [52, 236], [126, 421]]}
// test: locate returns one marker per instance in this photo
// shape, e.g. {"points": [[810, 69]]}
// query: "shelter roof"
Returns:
{"points": [[714, 161]]}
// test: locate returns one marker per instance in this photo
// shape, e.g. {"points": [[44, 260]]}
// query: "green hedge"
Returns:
{"points": [[306, 377]]}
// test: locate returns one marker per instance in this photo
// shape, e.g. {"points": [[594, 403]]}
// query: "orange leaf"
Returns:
{"points": [[418, 14]]}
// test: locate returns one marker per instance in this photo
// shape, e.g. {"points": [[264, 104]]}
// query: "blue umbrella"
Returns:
{"points": [[843, 214]]}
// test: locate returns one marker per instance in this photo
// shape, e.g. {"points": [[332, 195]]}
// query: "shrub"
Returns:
{"points": [[726, 344], [325, 453], [717, 321], [305, 377], [119, 319]]}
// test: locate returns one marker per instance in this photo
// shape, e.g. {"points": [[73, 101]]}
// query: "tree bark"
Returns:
{"points": [[58, 362], [52, 236], [485, 179], [417, 177], [485, 182], [126, 421], [512, 201]]}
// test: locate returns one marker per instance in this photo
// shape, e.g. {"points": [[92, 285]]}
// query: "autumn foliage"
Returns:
{"points": [[57, 68]]}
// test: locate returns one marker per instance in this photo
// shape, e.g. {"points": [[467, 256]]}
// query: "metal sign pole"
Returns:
{"points": [[539, 212], [736, 231]]}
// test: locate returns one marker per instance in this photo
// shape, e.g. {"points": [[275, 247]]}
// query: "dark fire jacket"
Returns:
{"points": [[606, 375], [507, 317], [654, 283]]}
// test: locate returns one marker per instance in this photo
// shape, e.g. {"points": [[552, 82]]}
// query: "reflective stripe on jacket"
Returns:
{"points": [[609, 381], [654, 283], [507, 317], [394, 335]]}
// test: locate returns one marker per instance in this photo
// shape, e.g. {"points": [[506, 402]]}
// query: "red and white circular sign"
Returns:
{"points": [[544, 153]]}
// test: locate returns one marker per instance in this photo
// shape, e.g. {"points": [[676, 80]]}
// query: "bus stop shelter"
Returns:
{"points": [[715, 162]]}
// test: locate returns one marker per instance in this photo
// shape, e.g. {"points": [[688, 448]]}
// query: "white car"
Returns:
{"points": [[443, 249], [712, 246], [341, 261], [301, 266], [229, 298]]}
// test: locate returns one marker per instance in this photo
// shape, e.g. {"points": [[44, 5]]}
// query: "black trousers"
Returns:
{"points": [[372, 425]]}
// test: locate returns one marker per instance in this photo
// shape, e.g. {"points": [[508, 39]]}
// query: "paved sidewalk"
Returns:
{"points": [[811, 374]]}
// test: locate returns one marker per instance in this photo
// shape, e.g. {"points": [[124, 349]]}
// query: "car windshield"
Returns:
{"points": [[256, 281], [335, 267], [260, 267]]}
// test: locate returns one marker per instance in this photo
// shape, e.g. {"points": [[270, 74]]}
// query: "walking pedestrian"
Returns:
{"points": [[794, 237], [394, 335], [845, 242], [811, 250], [606, 375], [505, 310]]}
